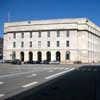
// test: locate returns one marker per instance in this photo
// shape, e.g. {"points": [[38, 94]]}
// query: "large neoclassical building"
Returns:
{"points": [[65, 40]]}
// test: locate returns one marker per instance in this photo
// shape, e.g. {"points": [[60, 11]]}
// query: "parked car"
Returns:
{"points": [[8, 61], [28, 62], [16, 61], [44, 62], [2, 61], [54, 62]]}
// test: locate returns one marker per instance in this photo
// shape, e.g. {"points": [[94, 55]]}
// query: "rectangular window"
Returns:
{"points": [[22, 44], [67, 43], [48, 34], [39, 35], [30, 34], [30, 43], [14, 44], [58, 44], [22, 35], [67, 33], [39, 43], [58, 33], [14, 35], [48, 43]]}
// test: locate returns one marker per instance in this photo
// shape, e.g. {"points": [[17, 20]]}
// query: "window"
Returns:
{"points": [[22, 44], [58, 33], [48, 34], [14, 35], [39, 43], [30, 43], [67, 55], [22, 35], [58, 43], [39, 35], [13, 55], [14, 44], [48, 43], [30, 34], [67, 33], [67, 43]]}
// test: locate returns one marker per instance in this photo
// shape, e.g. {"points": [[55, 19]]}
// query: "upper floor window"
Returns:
{"points": [[30, 43], [67, 43], [58, 33], [14, 44], [22, 44], [48, 43], [58, 44], [14, 35], [22, 35], [39, 43], [30, 34], [48, 35], [39, 35], [67, 33]]}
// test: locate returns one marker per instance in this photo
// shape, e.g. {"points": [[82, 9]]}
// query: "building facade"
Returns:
{"points": [[1, 48], [65, 40]]}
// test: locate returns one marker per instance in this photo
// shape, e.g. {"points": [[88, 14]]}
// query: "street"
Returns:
{"points": [[15, 79]]}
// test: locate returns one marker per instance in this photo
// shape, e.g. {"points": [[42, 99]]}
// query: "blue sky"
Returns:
{"points": [[21, 10]]}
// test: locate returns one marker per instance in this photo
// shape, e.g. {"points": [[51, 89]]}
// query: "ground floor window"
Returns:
{"points": [[39, 55], [22, 56], [13, 55], [48, 54], [58, 56], [67, 55], [30, 56]]}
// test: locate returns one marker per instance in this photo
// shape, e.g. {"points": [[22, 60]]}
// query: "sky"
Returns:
{"points": [[21, 10]]}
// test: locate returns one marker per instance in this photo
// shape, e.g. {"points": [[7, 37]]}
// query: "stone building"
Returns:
{"points": [[65, 40], [1, 48]]}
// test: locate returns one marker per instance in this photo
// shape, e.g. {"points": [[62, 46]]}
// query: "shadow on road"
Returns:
{"points": [[80, 84]]}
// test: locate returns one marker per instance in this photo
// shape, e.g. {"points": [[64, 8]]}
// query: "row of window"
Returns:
{"points": [[39, 44], [39, 34]]}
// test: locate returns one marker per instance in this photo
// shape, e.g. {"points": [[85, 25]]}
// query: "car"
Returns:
{"points": [[54, 62], [2, 61], [28, 62], [8, 61], [44, 62], [16, 61]]}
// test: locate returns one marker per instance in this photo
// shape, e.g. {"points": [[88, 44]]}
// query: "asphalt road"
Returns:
{"points": [[15, 79], [80, 84]]}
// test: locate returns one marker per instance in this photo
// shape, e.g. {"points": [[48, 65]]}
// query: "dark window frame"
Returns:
{"points": [[48, 43], [58, 43], [58, 33]]}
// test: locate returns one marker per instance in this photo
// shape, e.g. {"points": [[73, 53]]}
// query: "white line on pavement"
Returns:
{"points": [[30, 84], [8, 75], [32, 75], [1, 95], [58, 74], [1, 83]]}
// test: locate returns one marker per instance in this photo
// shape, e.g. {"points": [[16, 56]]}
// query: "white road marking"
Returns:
{"points": [[1, 95], [8, 75], [50, 71], [32, 75], [30, 84], [58, 74], [1, 83]]}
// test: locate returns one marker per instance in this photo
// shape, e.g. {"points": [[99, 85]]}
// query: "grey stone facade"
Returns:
{"points": [[67, 40]]}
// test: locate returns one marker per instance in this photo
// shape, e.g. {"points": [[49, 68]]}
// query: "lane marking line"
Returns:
{"points": [[30, 84], [1, 95], [1, 83], [58, 74], [9, 75], [31, 75]]}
